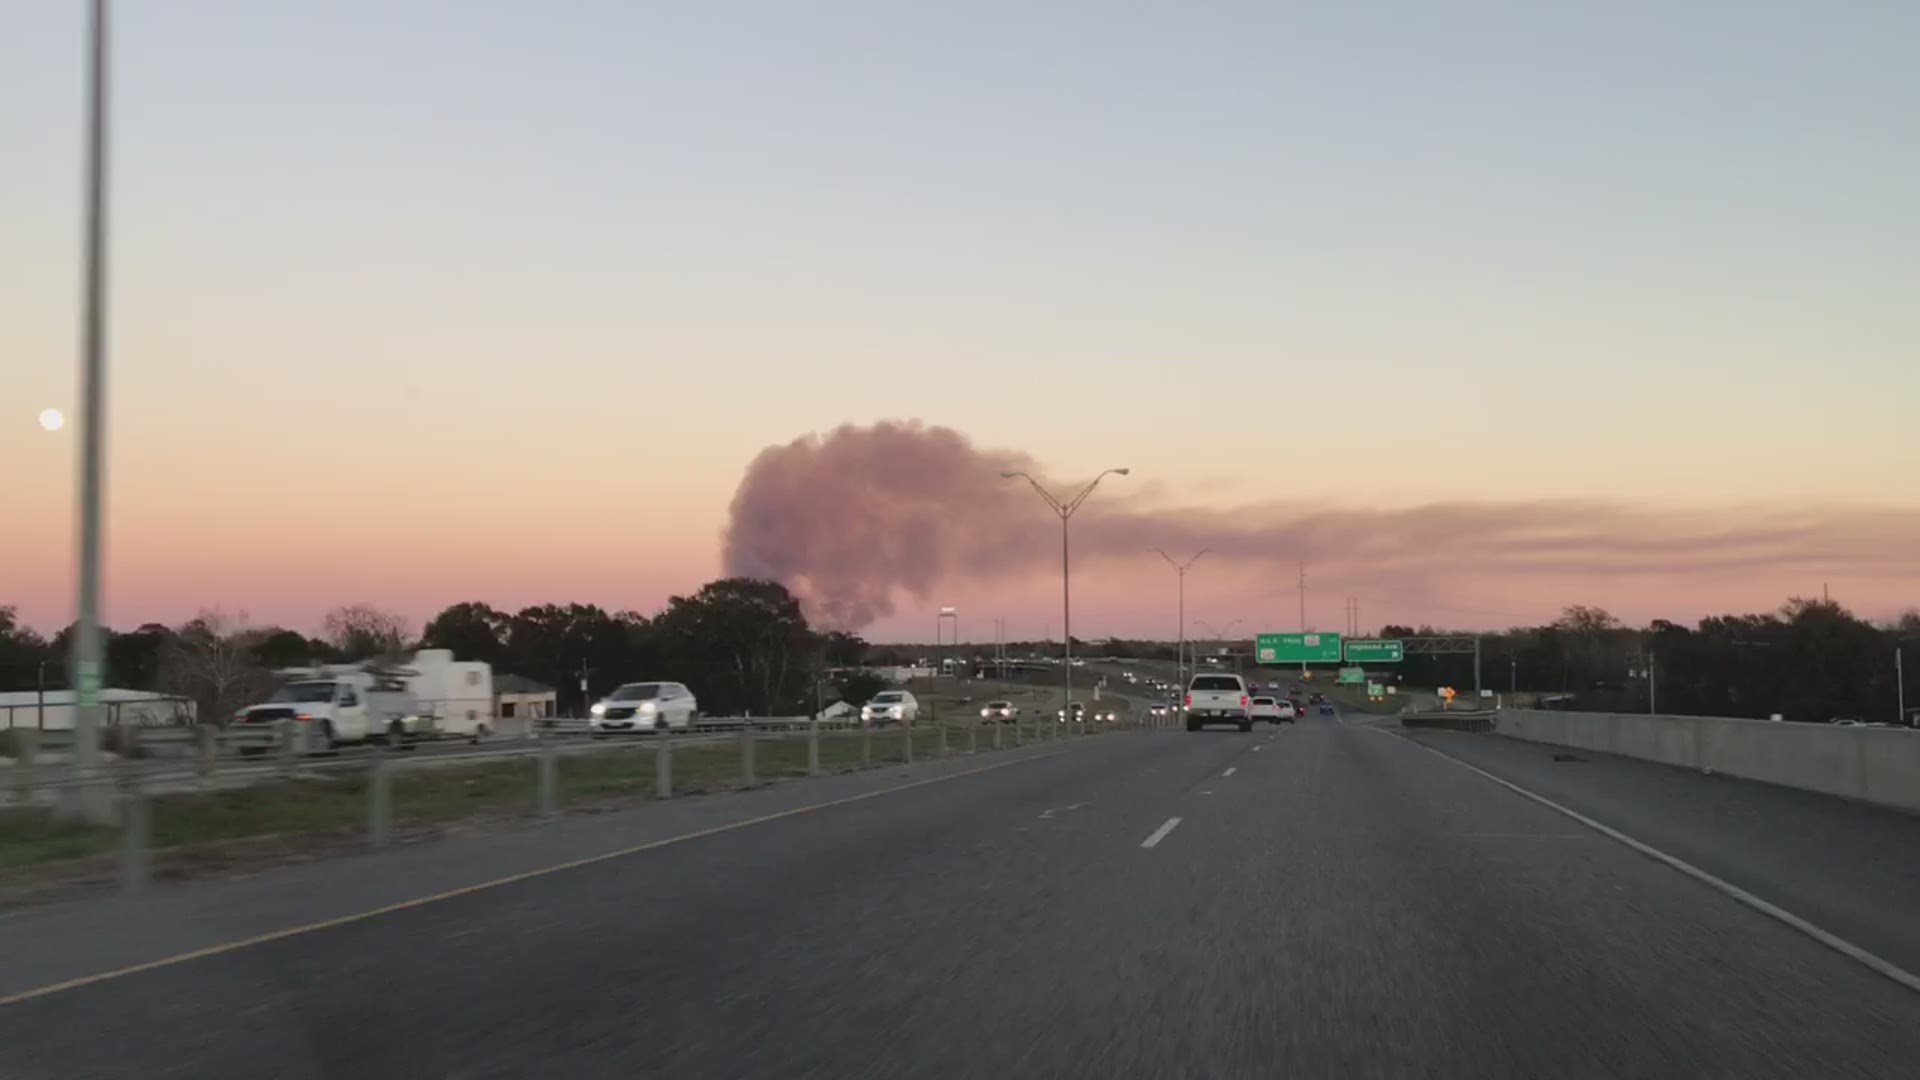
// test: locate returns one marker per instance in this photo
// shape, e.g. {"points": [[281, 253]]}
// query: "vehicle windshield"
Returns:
{"points": [[640, 691], [304, 692], [891, 697], [1263, 701], [998, 704]]}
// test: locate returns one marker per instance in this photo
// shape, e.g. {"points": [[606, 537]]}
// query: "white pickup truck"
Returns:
{"points": [[1218, 699]]}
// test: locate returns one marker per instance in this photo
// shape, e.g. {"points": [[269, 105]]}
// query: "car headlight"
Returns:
{"points": [[599, 708], [648, 706]]}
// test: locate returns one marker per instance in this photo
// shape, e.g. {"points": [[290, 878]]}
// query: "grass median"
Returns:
{"points": [[428, 795]]}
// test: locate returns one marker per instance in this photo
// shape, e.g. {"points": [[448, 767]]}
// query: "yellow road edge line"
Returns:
{"points": [[465, 890]]}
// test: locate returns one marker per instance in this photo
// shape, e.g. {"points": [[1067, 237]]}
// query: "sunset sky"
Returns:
{"points": [[418, 302]]}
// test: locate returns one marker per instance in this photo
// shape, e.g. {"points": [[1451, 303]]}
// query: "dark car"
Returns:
{"points": [[1316, 699]]}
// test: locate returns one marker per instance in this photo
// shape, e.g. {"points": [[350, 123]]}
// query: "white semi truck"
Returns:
{"points": [[431, 695]]}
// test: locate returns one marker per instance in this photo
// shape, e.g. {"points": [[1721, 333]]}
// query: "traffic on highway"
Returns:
{"points": [[1336, 896]]}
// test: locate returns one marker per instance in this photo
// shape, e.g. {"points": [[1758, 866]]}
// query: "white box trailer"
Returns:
{"points": [[451, 698]]}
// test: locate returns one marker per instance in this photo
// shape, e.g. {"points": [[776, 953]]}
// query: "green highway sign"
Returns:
{"points": [[1296, 648], [1375, 651], [1351, 675], [1375, 690]]}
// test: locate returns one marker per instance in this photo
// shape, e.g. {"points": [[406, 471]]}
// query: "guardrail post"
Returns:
{"points": [[909, 732], [284, 740], [973, 738], [813, 747], [379, 803], [207, 753], [663, 768], [866, 743], [136, 818], [549, 778], [26, 743], [746, 755], [942, 725], [998, 734]]}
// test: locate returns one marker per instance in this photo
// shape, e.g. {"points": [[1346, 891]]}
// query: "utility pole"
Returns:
{"points": [[1651, 706], [1476, 665], [88, 799], [1900, 686], [584, 672], [1513, 673]]}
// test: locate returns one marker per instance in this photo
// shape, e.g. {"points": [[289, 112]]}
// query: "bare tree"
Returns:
{"points": [[361, 631], [210, 661]]}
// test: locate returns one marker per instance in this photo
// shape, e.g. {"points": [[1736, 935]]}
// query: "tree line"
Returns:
{"points": [[742, 645], [1808, 660]]}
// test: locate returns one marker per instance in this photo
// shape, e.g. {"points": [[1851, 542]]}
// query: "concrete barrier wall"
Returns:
{"points": [[1877, 765]]}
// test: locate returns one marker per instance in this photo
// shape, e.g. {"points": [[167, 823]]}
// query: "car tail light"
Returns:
{"points": [[303, 716], [1243, 701], [1188, 700]]}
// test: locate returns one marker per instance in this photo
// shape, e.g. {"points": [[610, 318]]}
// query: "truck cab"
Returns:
{"points": [[325, 708]]}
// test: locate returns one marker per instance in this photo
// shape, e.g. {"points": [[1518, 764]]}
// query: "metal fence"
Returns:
{"points": [[53, 715], [156, 762]]}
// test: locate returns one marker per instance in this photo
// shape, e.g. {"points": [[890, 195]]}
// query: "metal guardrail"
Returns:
{"points": [[278, 753]]}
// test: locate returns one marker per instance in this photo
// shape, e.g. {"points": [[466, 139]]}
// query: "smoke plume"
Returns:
{"points": [[854, 520]]}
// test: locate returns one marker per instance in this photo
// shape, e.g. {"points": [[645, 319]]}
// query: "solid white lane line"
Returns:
{"points": [[1257, 749], [1230, 770], [1832, 941], [1160, 833]]}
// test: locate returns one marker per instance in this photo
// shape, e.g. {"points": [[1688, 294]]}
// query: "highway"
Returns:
{"points": [[1333, 898]]}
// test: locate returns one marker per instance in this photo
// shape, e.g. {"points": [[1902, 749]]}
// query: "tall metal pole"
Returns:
{"points": [[1066, 620], [1065, 511], [1900, 686], [1651, 706], [1180, 648], [1476, 665], [88, 800], [1303, 610]]}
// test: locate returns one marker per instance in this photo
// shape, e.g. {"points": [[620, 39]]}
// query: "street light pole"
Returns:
{"points": [[1180, 650], [1065, 510], [87, 800]]}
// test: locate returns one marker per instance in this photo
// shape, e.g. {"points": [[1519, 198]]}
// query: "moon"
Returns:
{"points": [[51, 420]]}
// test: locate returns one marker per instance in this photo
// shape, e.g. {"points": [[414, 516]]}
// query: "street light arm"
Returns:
{"points": [[1181, 567], [1044, 493], [1088, 490]]}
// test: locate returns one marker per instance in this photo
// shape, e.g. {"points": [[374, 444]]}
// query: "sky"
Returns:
{"points": [[417, 302]]}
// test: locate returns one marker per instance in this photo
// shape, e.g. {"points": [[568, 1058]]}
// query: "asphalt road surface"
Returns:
{"points": [[1321, 900]]}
